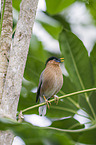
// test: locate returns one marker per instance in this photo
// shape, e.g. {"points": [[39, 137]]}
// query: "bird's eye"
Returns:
{"points": [[56, 60]]}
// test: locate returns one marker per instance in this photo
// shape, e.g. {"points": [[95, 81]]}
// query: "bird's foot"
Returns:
{"points": [[47, 102], [56, 99]]}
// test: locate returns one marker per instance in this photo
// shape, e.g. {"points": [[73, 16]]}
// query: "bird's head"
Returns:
{"points": [[54, 60]]}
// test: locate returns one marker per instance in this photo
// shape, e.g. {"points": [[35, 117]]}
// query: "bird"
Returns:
{"points": [[50, 82]]}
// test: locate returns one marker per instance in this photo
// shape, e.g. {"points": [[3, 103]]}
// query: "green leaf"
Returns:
{"points": [[93, 61], [85, 106], [78, 66], [91, 5], [88, 137], [64, 108], [61, 19], [34, 135], [25, 102], [56, 6], [16, 4], [93, 102], [35, 61], [68, 85], [52, 29], [6, 123], [58, 18], [67, 123], [76, 60]]}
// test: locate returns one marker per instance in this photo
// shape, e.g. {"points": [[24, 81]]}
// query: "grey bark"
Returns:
{"points": [[17, 61], [6, 40]]}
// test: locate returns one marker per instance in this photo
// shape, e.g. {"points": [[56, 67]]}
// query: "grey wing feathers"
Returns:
{"points": [[38, 92], [39, 87]]}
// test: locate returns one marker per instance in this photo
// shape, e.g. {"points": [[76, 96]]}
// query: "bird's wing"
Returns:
{"points": [[39, 87]]}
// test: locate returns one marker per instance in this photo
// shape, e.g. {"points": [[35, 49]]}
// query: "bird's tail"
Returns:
{"points": [[42, 109]]}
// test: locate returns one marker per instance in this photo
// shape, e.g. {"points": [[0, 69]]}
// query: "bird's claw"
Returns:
{"points": [[56, 99], [48, 103]]}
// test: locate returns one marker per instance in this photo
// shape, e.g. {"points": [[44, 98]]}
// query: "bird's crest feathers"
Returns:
{"points": [[52, 58]]}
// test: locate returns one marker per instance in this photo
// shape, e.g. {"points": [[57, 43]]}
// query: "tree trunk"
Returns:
{"points": [[6, 40], [17, 61]]}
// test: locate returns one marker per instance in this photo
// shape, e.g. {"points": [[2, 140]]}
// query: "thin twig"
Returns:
{"points": [[61, 97], [69, 130]]}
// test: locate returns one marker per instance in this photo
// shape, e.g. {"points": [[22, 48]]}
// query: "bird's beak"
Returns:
{"points": [[61, 59]]}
